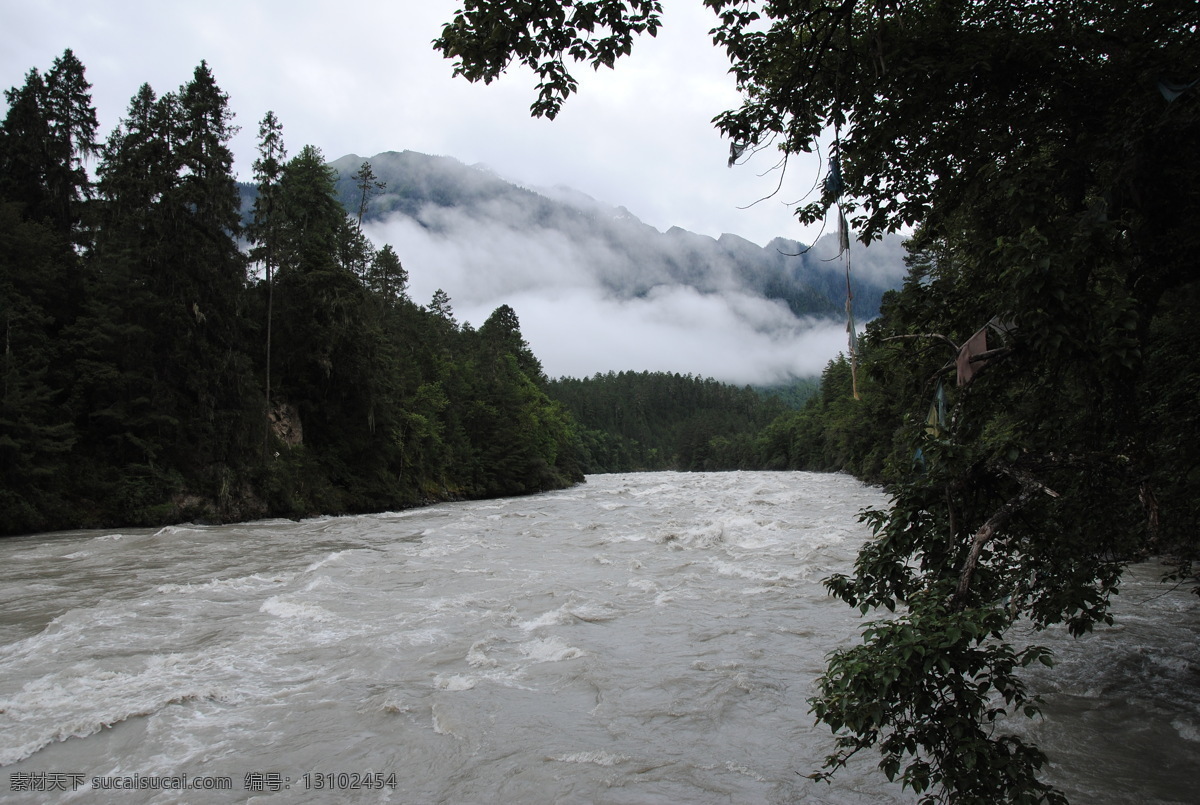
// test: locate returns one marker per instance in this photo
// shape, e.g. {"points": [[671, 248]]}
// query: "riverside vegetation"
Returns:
{"points": [[150, 376], [1029, 393]]}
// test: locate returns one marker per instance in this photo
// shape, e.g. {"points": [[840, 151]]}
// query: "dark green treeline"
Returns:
{"points": [[631, 421], [160, 363]]}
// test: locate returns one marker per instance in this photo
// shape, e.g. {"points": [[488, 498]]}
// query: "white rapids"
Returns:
{"points": [[642, 638]]}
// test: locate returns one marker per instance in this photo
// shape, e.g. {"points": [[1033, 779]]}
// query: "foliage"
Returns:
{"points": [[49, 131], [148, 377], [634, 421], [793, 395], [485, 37], [35, 433], [1043, 151], [932, 683]]}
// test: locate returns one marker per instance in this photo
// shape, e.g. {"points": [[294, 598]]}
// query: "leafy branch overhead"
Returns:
{"points": [[485, 38]]}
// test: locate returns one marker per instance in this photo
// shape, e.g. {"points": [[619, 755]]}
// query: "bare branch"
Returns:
{"points": [[953, 345], [1030, 487]]}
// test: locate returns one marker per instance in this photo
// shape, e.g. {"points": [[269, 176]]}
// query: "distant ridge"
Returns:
{"points": [[632, 257]]}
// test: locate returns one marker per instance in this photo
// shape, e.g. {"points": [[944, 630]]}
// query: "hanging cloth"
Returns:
{"points": [[851, 329], [937, 412], [976, 345], [1171, 90], [833, 187]]}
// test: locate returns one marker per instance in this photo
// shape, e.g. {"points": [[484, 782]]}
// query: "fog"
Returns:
{"points": [[673, 329], [596, 290]]}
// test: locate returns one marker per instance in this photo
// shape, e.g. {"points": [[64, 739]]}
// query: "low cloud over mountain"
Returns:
{"points": [[597, 290]]}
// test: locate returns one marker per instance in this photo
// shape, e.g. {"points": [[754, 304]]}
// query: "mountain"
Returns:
{"points": [[598, 290], [624, 256]]}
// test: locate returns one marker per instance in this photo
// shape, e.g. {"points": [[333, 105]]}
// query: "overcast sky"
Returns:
{"points": [[360, 76]]}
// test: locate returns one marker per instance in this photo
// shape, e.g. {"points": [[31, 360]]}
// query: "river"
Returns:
{"points": [[643, 638]]}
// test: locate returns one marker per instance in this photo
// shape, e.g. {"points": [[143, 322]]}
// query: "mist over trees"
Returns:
{"points": [[624, 256], [1027, 392], [600, 290]]}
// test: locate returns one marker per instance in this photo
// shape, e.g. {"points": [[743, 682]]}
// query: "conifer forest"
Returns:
{"points": [[163, 362]]}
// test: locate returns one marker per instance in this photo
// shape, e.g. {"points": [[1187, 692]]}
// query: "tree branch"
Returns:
{"points": [[1030, 486], [953, 345]]}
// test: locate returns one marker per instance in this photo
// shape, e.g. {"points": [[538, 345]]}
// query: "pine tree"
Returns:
{"points": [[368, 187], [266, 228], [386, 277], [441, 308], [71, 121], [321, 301], [163, 374], [48, 131], [501, 334], [266, 223], [355, 252], [122, 363], [206, 276], [214, 269], [23, 145]]}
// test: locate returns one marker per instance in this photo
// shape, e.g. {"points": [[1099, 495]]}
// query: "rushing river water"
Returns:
{"points": [[646, 638]]}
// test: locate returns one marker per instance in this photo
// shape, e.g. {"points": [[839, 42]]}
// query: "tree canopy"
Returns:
{"points": [[138, 380], [1042, 151]]}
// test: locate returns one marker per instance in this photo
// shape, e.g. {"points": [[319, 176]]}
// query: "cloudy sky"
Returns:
{"points": [[360, 76]]}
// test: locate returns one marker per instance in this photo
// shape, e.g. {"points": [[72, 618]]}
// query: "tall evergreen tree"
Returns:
{"points": [[163, 369], [266, 222], [321, 301], [23, 144], [442, 308], [127, 414], [48, 133], [386, 277], [266, 228], [368, 187], [210, 274], [501, 335], [71, 120], [355, 252]]}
